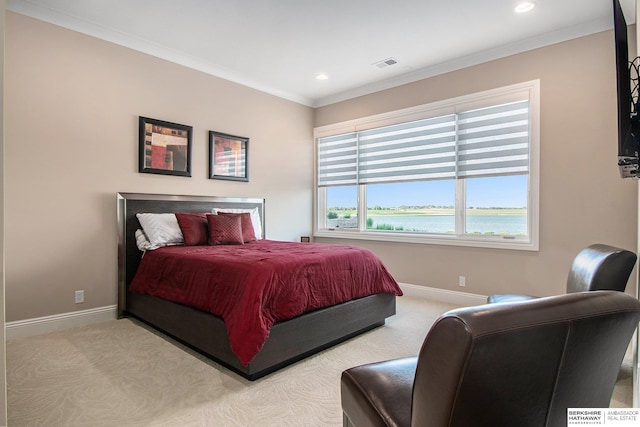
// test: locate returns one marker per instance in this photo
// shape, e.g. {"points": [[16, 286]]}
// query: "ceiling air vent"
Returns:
{"points": [[385, 62]]}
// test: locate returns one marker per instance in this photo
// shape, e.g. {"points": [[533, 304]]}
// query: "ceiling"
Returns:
{"points": [[280, 46]]}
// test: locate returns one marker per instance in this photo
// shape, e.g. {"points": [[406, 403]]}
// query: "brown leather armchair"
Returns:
{"points": [[512, 364], [595, 268]]}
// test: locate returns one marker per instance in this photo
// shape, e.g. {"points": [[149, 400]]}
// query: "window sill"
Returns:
{"points": [[493, 242]]}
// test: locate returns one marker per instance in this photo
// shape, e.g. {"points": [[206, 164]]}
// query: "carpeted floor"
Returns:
{"points": [[121, 373]]}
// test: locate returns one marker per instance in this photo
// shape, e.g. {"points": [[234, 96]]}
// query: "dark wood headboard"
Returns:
{"points": [[129, 204]]}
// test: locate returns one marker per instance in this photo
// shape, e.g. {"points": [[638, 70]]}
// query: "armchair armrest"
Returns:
{"points": [[378, 394]]}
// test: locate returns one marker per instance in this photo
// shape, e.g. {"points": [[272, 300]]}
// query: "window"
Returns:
{"points": [[342, 202], [462, 171], [417, 206]]}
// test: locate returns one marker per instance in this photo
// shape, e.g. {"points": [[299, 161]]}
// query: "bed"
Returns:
{"points": [[287, 340]]}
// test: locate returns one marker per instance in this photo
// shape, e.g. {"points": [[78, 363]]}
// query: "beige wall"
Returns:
{"points": [[582, 198], [3, 373], [71, 140]]}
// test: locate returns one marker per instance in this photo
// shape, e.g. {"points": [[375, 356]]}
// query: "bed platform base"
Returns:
{"points": [[289, 341]]}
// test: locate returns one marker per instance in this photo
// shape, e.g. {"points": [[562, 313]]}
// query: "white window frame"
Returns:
{"points": [[449, 106]]}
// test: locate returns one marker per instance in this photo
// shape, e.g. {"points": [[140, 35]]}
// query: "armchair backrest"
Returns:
{"points": [[600, 267], [530, 360]]}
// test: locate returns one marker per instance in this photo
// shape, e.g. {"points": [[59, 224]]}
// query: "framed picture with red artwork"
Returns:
{"points": [[165, 147], [228, 157]]}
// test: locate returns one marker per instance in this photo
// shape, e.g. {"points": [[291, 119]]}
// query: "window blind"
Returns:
{"points": [[420, 150], [494, 141], [482, 142], [338, 160]]}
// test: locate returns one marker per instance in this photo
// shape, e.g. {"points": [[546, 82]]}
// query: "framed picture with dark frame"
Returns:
{"points": [[228, 157], [165, 147]]}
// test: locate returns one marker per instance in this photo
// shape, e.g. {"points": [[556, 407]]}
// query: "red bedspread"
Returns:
{"points": [[253, 286]]}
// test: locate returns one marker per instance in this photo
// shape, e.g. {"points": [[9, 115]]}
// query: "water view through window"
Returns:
{"points": [[494, 206]]}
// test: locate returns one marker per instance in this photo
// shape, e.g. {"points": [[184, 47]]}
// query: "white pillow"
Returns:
{"points": [[161, 229], [142, 242], [255, 218]]}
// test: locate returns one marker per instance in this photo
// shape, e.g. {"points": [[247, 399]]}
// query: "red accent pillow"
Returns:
{"points": [[224, 230], [248, 233], [194, 228]]}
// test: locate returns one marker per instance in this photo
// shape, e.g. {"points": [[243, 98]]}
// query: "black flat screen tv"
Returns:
{"points": [[628, 129]]}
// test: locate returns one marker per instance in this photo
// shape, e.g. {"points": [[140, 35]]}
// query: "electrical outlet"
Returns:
{"points": [[462, 281], [79, 297]]}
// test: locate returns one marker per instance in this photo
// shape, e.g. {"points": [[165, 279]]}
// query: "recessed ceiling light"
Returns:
{"points": [[322, 76], [525, 7]]}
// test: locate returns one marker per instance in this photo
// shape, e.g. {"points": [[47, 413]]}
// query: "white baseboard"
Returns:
{"points": [[452, 297], [41, 325]]}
